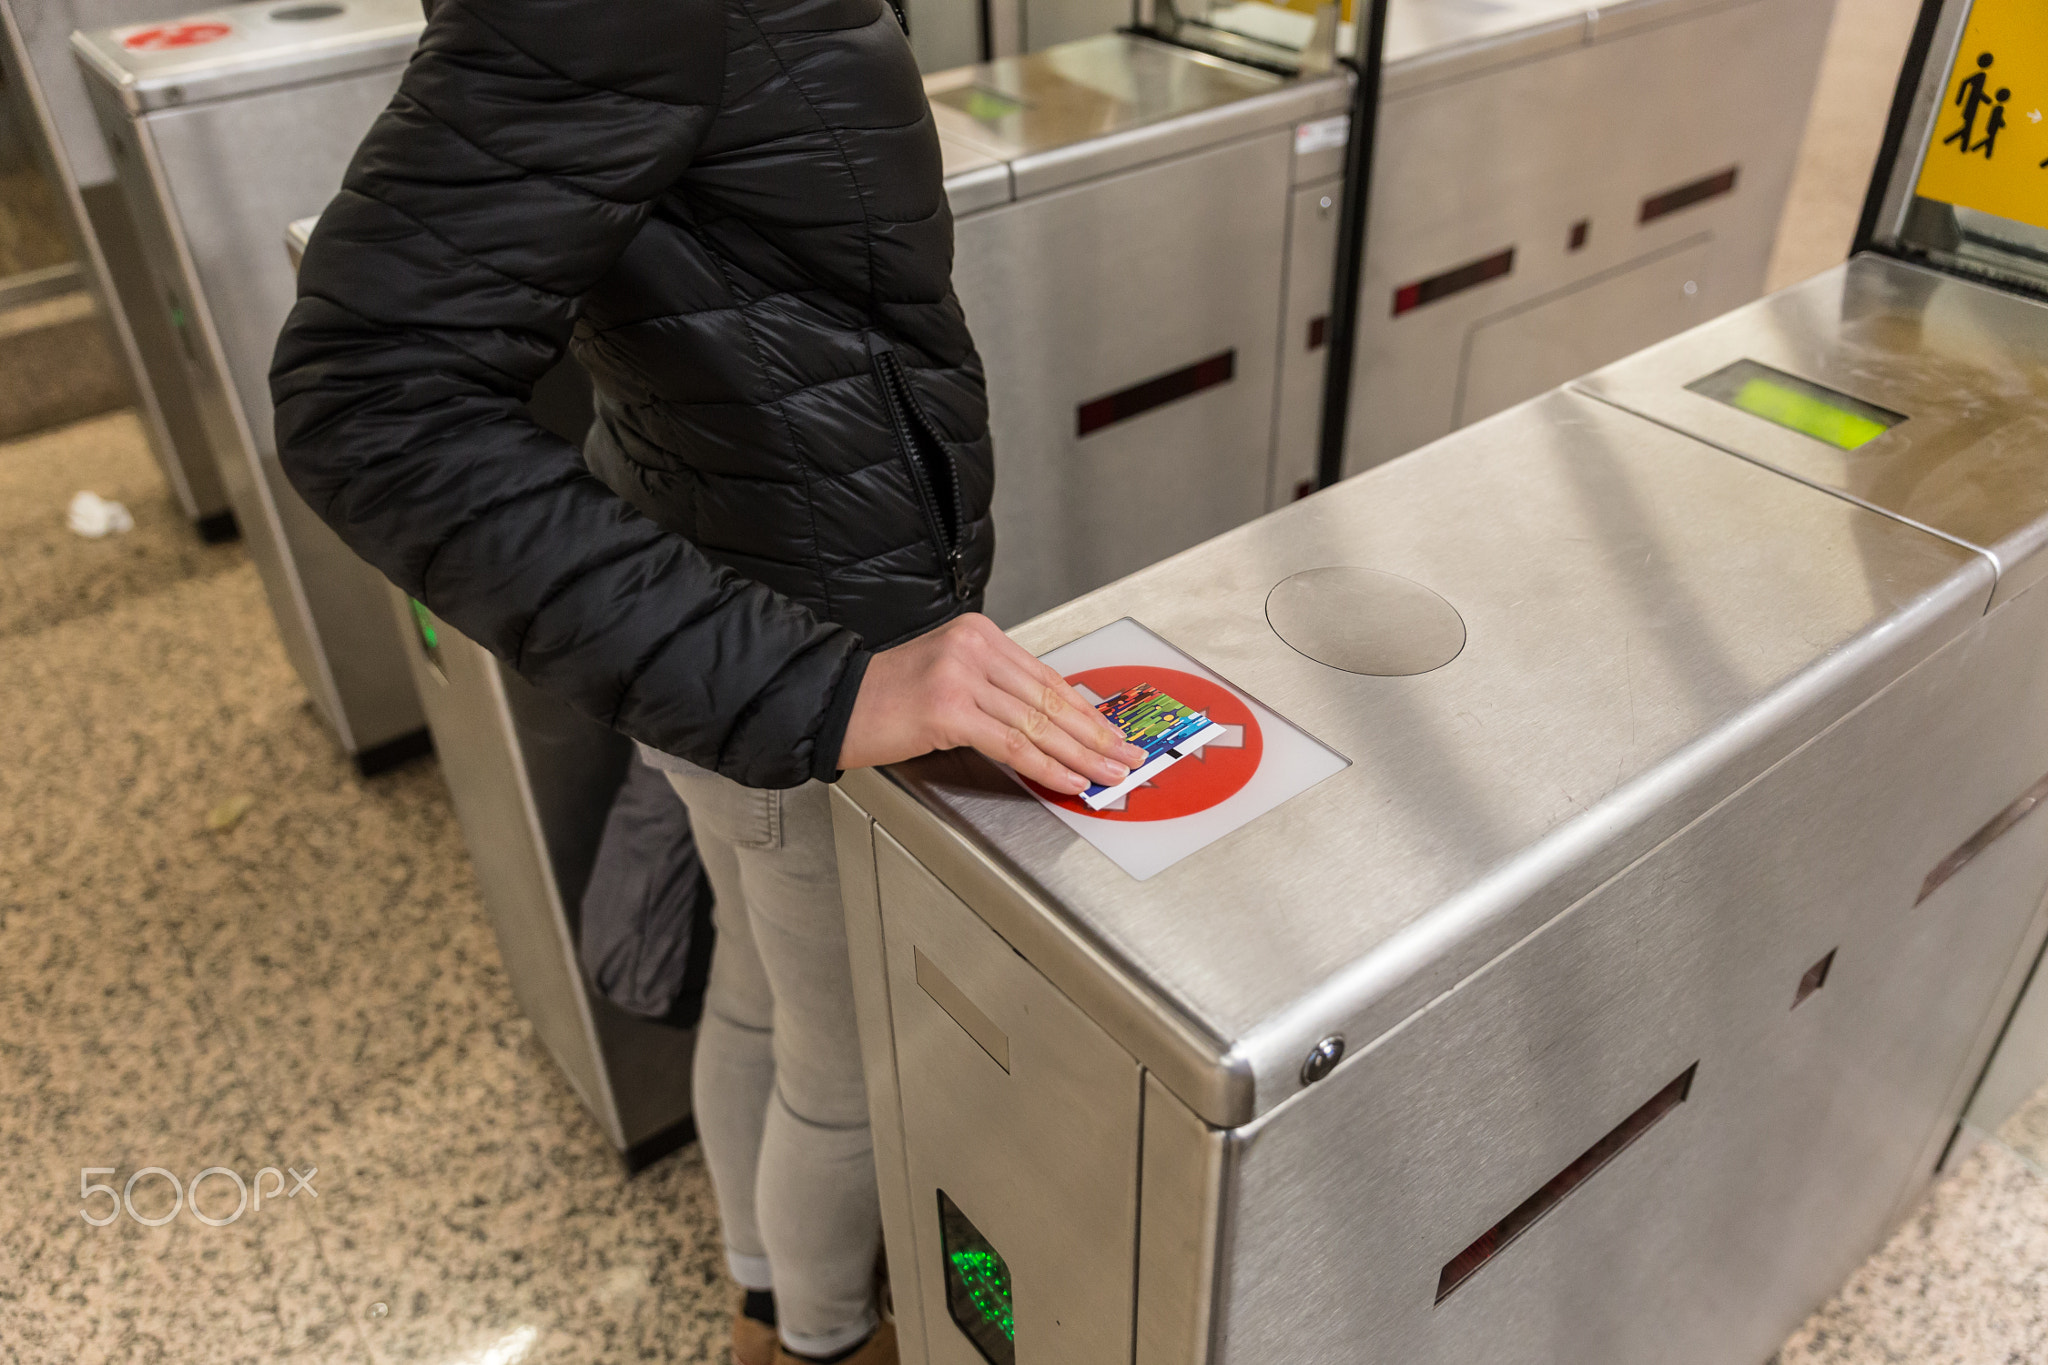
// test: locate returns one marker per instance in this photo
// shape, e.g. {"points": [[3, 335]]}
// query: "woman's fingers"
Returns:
{"points": [[1008, 744], [1039, 686], [1049, 738]]}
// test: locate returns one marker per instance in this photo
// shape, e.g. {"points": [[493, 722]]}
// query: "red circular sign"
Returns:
{"points": [[1208, 777], [166, 37]]}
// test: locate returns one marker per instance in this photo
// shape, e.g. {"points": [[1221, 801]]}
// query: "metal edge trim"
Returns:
{"points": [[339, 55], [157, 429], [1180, 1178], [330, 701], [1214, 1082], [1060, 167], [1938, 28], [1453, 63], [853, 837], [605, 1105]]}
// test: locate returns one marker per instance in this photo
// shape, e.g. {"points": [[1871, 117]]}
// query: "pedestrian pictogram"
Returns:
{"points": [[1989, 148], [171, 37], [1208, 777]]}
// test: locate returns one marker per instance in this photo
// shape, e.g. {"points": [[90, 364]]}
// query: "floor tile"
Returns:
{"points": [[1964, 1282], [108, 1062], [483, 1207], [2026, 1132]]}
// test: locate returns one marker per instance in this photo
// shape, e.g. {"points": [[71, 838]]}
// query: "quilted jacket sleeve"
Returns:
{"points": [[520, 157]]}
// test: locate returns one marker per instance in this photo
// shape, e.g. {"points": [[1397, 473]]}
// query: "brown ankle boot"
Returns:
{"points": [[879, 1349], [753, 1343]]}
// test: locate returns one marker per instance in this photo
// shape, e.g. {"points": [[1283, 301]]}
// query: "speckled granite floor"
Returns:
{"points": [[313, 988]]}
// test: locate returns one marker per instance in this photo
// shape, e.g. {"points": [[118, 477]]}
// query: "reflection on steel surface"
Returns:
{"points": [[1497, 1238], [1998, 825]]}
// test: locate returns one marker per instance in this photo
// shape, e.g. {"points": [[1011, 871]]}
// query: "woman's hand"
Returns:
{"points": [[968, 685]]}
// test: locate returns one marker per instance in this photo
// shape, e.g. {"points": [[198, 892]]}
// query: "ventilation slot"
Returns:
{"points": [[1983, 839], [1502, 1235], [1816, 977]]}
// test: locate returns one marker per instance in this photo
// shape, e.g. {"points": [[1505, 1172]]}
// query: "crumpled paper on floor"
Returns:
{"points": [[93, 516]]}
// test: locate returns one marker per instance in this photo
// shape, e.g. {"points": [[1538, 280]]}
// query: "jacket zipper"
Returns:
{"points": [[911, 423]]}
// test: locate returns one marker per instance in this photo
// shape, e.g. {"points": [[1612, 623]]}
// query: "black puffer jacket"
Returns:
{"points": [[736, 206]]}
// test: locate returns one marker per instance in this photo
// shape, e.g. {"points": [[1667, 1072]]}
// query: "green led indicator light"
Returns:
{"points": [[977, 1286], [1798, 404], [429, 637], [987, 1281]]}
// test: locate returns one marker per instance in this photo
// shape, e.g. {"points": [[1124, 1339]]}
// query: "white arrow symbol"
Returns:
{"points": [[1096, 699], [2034, 115], [1122, 802], [1231, 738]]}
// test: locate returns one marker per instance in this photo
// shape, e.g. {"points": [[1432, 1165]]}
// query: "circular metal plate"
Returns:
{"points": [[1365, 621]]}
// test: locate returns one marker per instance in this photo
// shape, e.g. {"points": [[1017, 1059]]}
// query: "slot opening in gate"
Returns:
{"points": [[1816, 977], [1525, 1215]]}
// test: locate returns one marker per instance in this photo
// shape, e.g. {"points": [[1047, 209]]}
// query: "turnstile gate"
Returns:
{"points": [[225, 125], [1620, 867], [1145, 239], [532, 781], [37, 57]]}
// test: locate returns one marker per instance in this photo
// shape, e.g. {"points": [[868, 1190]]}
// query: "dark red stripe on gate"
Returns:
{"points": [[1097, 413], [1451, 281], [1497, 1238], [1686, 195]]}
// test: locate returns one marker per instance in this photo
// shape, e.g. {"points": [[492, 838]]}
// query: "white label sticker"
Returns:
{"points": [[1320, 135], [1254, 762]]}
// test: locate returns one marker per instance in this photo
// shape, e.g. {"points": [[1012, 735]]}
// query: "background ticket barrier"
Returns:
{"points": [[532, 780], [1616, 865], [144, 322], [1145, 238], [224, 125]]}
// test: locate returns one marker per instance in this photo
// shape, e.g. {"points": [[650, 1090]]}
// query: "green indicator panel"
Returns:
{"points": [[429, 636], [979, 102], [1799, 404], [977, 1286]]}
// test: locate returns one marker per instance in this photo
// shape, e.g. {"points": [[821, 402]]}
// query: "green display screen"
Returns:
{"points": [[977, 1286], [1798, 404], [989, 106]]}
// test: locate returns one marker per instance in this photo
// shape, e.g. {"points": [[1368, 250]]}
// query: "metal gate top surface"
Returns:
{"points": [[1651, 623], [239, 49], [1965, 367], [1100, 105]]}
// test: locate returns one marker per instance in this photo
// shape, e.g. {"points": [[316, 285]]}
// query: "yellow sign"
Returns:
{"points": [[1989, 150]]}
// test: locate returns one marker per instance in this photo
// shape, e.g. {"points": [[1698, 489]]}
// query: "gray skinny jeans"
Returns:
{"points": [[781, 1105]]}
